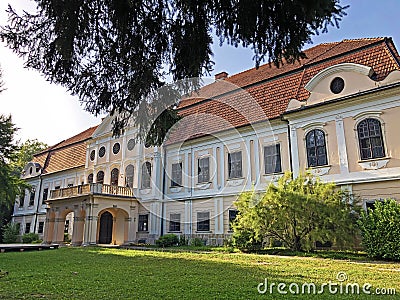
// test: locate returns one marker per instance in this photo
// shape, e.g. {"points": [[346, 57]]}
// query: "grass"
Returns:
{"points": [[104, 273]]}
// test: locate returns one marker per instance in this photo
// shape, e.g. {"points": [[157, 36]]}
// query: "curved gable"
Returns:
{"points": [[338, 81]]}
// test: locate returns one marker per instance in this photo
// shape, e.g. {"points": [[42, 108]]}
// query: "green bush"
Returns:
{"points": [[10, 233], [183, 241], [380, 230], [30, 237], [197, 242], [66, 237], [245, 241], [168, 240]]}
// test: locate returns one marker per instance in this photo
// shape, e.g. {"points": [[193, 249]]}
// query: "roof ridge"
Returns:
{"points": [[378, 38], [334, 44]]}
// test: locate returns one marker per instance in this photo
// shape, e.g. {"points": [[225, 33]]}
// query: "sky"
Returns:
{"points": [[47, 112]]}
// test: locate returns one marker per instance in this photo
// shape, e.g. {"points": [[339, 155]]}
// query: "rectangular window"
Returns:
{"points": [[203, 169], [232, 216], [176, 174], [32, 197], [41, 225], [175, 222], [143, 223], [21, 200], [146, 175], [203, 221], [57, 187], [27, 227], [235, 164], [45, 194], [272, 159]]}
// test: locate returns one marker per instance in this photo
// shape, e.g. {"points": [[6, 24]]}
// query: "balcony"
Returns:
{"points": [[91, 188]]}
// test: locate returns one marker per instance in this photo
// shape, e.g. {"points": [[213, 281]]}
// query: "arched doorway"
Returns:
{"points": [[106, 228]]}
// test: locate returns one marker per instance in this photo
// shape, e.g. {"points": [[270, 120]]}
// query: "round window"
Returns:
{"points": [[116, 148], [92, 155], [131, 144], [102, 151], [337, 85]]}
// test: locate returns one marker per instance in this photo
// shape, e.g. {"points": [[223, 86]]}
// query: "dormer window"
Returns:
{"points": [[337, 85]]}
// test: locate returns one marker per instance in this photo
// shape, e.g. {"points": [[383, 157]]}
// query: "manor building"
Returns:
{"points": [[335, 113]]}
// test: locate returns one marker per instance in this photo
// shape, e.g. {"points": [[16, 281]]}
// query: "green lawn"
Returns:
{"points": [[98, 273]]}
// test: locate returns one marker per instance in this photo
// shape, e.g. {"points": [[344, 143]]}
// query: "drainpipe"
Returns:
{"points": [[38, 202], [163, 161]]}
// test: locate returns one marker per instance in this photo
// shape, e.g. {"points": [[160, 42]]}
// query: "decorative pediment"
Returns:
{"points": [[105, 127], [345, 67], [338, 81], [31, 169]]}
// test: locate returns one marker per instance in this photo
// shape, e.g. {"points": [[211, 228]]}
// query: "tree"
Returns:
{"points": [[298, 212], [380, 229], [15, 158], [114, 54], [25, 154], [10, 183]]}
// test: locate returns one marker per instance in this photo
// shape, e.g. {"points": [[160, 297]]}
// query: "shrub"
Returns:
{"points": [[197, 242], [245, 240], [66, 237], [10, 233], [183, 241], [167, 240], [30, 237], [380, 230], [297, 212]]}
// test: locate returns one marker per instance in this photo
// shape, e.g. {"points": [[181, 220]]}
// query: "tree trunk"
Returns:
{"points": [[296, 246]]}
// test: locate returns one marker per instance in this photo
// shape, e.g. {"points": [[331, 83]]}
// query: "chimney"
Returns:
{"points": [[221, 76]]}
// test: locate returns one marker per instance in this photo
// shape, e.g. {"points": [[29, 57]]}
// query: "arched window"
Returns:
{"points": [[316, 148], [129, 171], [370, 139], [90, 178], [100, 177], [146, 175], [114, 176]]}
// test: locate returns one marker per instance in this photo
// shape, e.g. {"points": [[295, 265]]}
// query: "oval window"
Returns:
{"points": [[102, 151], [337, 85], [116, 148], [92, 155], [131, 144]]}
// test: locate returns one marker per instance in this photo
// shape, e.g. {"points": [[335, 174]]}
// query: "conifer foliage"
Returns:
{"points": [[114, 53]]}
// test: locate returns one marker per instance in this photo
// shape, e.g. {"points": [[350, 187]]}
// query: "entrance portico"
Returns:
{"points": [[102, 215]]}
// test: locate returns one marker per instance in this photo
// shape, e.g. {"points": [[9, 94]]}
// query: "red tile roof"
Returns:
{"points": [[266, 91], [68, 154]]}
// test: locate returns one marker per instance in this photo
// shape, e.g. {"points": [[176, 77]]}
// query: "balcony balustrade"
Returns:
{"points": [[91, 188]]}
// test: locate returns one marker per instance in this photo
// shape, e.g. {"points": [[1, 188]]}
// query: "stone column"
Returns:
{"points": [[49, 227], [132, 223], [79, 221], [58, 235]]}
